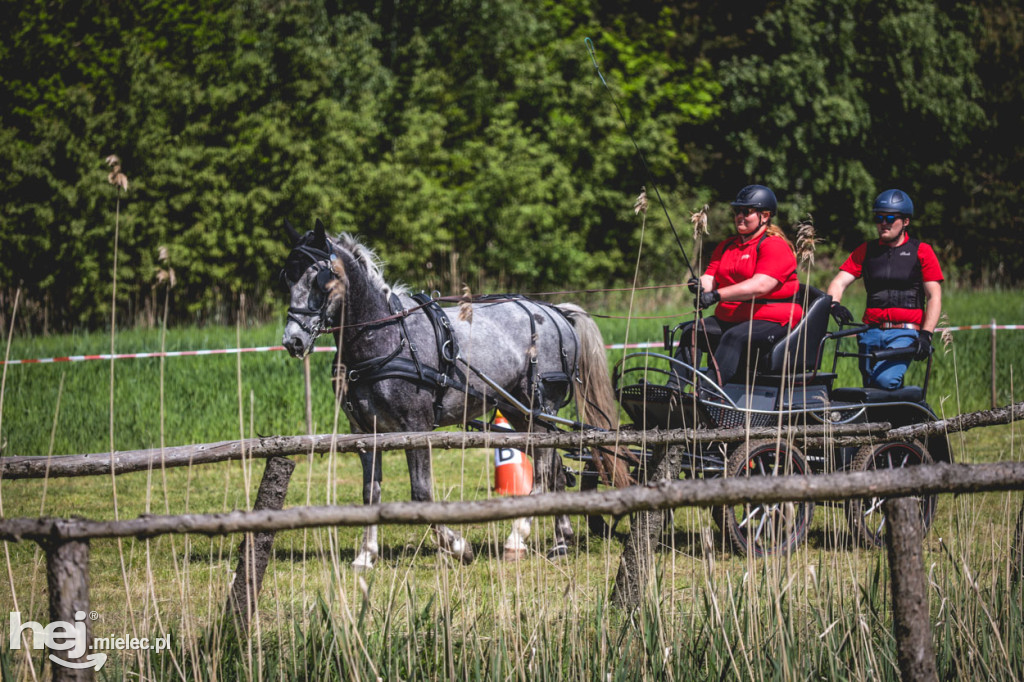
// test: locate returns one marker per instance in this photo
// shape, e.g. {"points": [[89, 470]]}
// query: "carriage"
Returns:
{"points": [[785, 388], [405, 363]]}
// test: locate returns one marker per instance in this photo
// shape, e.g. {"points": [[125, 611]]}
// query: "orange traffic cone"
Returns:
{"points": [[513, 470]]}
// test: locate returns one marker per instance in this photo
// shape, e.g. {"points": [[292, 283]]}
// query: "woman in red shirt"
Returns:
{"points": [[752, 277]]}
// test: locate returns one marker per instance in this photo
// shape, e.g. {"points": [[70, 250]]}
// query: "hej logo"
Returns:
{"points": [[59, 635]]}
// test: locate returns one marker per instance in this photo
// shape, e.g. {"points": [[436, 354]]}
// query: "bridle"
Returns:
{"points": [[323, 261]]}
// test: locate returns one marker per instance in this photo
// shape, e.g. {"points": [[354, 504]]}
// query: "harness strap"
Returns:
{"points": [[403, 368], [531, 368], [447, 350], [373, 366], [570, 373], [395, 305]]}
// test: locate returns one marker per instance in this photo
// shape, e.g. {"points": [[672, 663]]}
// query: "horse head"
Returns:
{"points": [[314, 274]]}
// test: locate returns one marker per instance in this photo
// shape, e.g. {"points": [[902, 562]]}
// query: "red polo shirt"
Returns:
{"points": [[735, 261]]}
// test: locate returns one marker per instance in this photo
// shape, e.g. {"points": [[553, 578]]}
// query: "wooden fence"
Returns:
{"points": [[66, 541], [106, 463]]}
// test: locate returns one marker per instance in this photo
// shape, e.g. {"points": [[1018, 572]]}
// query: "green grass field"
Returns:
{"points": [[821, 612], [65, 407]]}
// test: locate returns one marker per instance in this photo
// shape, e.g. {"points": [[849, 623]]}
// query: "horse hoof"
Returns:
{"points": [[514, 554], [363, 562], [459, 549], [559, 551]]}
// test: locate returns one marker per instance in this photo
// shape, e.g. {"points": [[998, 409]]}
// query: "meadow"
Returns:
{"points": [[821, 612]]}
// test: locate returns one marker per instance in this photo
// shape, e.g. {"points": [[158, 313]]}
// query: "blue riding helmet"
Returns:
{"points": [[757, 196], [894, 201]]}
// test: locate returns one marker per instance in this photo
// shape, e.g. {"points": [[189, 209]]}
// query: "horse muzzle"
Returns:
{"points": [[300, 334], [295, 346], [297, 341]]}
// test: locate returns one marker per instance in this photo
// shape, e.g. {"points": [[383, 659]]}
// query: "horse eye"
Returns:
{"points": [[323, 278]]}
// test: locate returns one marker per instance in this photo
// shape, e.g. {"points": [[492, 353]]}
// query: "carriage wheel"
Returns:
{"points": [[865, 516], [763, 529]]}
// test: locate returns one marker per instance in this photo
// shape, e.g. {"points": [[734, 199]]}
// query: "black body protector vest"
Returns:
{"points": [[892, 276]]}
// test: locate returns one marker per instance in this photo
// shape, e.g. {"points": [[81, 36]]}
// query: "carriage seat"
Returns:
{"points": [[797, 352], [905, 394]]}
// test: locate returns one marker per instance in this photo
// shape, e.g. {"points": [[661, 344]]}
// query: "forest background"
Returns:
{"points": [[473, 141]]}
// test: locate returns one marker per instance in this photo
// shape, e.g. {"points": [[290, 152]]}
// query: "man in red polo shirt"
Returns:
{"points": [[903, 281]]}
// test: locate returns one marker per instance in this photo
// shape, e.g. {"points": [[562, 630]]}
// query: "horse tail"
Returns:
{"points": [[595, 398]]}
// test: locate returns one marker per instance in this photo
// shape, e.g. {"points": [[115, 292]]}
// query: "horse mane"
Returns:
{"points": [[371, 263]]}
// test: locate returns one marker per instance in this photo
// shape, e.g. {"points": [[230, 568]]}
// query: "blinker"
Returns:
{"points": [[323, 278]]}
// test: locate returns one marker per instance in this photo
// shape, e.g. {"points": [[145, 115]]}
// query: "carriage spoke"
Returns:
{"points": [[881, 526], [876, 504], [760, 529], [751, 513]]}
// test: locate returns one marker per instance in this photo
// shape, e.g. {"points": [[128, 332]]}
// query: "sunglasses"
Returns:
{"points": [[744, 210], [887, 219]]}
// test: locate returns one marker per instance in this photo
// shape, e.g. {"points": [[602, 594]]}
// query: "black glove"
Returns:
{"points": [[841, 314], [706, 299], [924, 345]]}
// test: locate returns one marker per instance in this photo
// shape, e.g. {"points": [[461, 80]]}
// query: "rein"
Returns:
{"points": [[493, 298]]}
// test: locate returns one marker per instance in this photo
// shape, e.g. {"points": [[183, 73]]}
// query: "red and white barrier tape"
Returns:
{"points": [[324, 349], [166, 354]]}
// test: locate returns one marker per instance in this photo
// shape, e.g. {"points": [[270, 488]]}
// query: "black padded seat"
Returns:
{"points": [[907, 394], [797, 352]]}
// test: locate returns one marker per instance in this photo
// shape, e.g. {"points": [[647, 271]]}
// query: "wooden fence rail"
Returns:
{"points": [[16, 467], [665, 494]]}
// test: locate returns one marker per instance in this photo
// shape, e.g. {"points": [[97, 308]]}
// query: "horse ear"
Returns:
{"points": [[293, 234], [320, 235]]}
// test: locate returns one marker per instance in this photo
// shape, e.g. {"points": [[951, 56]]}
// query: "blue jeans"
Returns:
{"points": [[887, 374]]}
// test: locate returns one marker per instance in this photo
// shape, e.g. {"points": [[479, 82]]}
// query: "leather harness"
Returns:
{"points": [[449, 374]]}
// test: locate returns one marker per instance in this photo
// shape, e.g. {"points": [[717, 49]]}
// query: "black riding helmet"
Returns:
{"points": [[757, 196]]}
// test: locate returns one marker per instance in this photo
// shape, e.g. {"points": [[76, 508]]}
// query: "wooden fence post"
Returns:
{"points": [[645, 530], [911, 619], [254, 552], [67, 578]]}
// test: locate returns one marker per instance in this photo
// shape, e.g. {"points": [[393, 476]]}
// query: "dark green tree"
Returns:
{"points": [[832, 102]]}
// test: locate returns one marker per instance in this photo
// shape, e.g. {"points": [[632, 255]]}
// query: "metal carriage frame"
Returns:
{"points": [[781, 398]]}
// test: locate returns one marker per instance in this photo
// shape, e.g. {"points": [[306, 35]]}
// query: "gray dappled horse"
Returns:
{"points": [[406, 364]]}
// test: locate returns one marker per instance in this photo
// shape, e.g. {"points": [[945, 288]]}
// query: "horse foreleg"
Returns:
{"points": [[549, 476], [421, 482], [368, 553]]}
